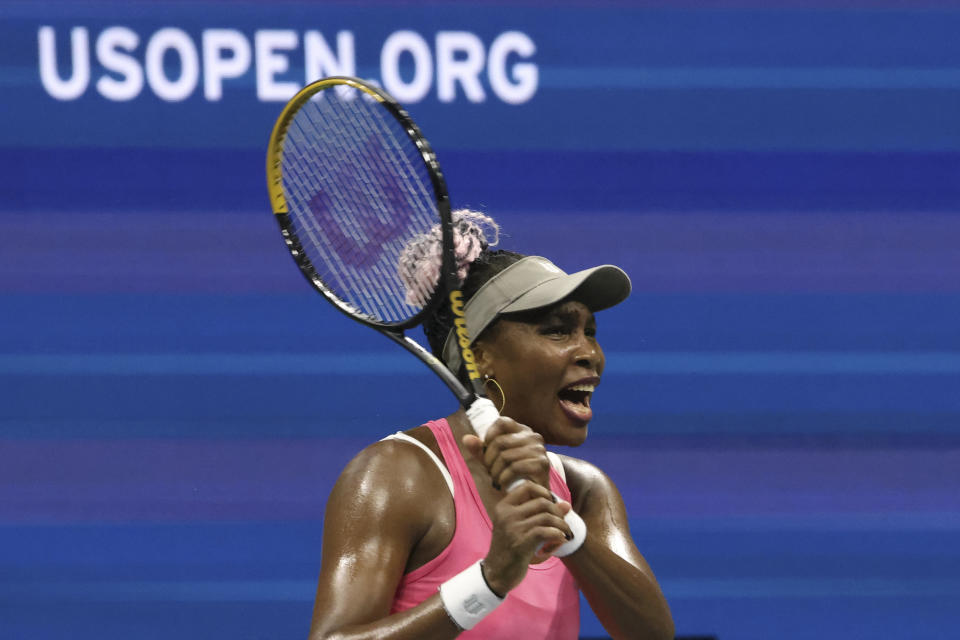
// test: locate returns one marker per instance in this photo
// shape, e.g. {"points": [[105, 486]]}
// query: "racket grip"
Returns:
{"points": [[577, 526], [482, 414]]}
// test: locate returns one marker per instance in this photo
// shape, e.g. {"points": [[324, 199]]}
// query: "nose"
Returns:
{"points": [[589, 355]]}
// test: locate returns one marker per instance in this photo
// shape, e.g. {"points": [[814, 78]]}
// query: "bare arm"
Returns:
{"points": [[613, 575], [380, 508], [374, 518]]}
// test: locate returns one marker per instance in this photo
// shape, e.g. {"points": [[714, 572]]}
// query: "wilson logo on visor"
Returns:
{"points": [[463, 337]]}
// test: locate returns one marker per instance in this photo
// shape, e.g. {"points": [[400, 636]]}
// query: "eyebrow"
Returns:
{"points": [[558, 313]]}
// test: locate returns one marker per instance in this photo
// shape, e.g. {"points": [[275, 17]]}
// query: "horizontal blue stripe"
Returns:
{"points": [[779, 524], [527, 182], [302, 590], [160, 591], [654, 78], [273, 323], [785, 362], [374, 363], [808, 588], [339, 364]]}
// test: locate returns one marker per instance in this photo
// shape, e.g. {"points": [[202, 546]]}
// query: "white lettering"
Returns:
{"points": [[398, 43], [113, 48], [74, 86], [172, 39], [465, 70], [171, 62], [319, 60], [217, 66], [267, 43], [525, 74]]}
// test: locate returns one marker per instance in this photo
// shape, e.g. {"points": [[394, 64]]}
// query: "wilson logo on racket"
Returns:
{"points": [[344, 215], [463, 337]]}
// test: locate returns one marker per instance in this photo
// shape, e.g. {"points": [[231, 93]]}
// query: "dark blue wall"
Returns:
{"points": [[782, 403]]}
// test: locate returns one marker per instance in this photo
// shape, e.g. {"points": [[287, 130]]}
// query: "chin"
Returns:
{"points": [[572, 437]]}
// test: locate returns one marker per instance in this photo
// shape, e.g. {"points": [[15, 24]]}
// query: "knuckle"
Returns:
{"points": [[507, 425], [545, 493], [532, 490]]}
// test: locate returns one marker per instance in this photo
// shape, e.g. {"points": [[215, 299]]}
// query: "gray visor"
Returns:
{"points": [[534, 283]]}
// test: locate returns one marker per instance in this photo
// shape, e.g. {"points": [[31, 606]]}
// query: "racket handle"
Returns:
{"points": [[482, 414]]}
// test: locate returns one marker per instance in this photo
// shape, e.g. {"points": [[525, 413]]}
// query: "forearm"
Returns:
{"points": [[625, 598], [426, 620]]}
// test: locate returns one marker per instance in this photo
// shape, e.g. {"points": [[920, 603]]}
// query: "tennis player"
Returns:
{"points": [[422, 539]]}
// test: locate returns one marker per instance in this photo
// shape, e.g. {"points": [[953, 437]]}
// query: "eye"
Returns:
{"points": [[555, 330], [590, 332]]}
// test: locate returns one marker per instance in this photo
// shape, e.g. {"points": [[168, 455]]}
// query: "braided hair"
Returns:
{"points": [[420, 263]]}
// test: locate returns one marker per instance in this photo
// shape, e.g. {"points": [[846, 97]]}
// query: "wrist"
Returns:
{"points": [[497, 591], [467, 598]]}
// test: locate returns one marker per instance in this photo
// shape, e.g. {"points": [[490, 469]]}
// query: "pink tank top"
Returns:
{"points": [[546, 605]]}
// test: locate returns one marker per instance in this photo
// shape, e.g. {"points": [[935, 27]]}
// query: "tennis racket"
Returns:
{"points": [[352, 182]]}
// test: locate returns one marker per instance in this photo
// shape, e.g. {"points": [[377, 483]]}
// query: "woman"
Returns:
{"points": [[411, 516]]}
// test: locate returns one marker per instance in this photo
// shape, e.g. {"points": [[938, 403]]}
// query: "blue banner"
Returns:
{"points": [[781, 405]]}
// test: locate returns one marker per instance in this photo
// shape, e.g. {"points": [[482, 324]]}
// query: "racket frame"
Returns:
{"points": [[450, 288]]}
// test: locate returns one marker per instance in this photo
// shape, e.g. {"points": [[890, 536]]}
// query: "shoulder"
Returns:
{"points": [[392, 462], [389, 478], [587, 482]]}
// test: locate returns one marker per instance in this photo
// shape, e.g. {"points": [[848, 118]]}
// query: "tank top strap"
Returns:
{"points": [[456, 465], [399, 435]]}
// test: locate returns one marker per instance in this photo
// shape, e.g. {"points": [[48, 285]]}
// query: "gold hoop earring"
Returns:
{"points": [[503, 396]]}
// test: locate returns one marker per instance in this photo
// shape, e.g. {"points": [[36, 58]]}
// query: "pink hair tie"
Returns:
{"points": [[421, 260]]}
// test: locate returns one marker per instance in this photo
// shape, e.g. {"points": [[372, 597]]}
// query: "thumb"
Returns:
{"points": [[474, 445]]}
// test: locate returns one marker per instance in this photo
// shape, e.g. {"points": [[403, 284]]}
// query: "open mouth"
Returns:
{"points": [[575, 401]]}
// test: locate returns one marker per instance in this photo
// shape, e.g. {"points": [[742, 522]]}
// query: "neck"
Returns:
{"points": [[460, 424]]}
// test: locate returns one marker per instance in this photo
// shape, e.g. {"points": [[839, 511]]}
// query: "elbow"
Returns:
{"points": [[669, 631], [649, 632], [661, 624], [652, 632], [660, 628], [318, 633], [664, 629]]}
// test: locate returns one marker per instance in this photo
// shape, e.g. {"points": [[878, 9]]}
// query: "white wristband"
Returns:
{"points": [[579, 529], [467, 598]]}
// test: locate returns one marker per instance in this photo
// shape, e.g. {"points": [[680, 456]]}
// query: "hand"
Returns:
{"points": [[527, 525], [511, 451]]}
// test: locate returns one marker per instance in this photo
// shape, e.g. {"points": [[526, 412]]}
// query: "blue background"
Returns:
{"points": [[781, 408]]}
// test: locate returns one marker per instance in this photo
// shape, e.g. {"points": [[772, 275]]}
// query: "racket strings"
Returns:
{"points": [[414, 183], [365, 296], [358, 192], [366, 163]]}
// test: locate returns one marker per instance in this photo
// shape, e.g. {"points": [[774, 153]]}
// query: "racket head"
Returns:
{"points": [[352, 180]]}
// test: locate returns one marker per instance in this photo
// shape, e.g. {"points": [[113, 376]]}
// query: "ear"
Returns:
{"points": [[483, 355]]}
